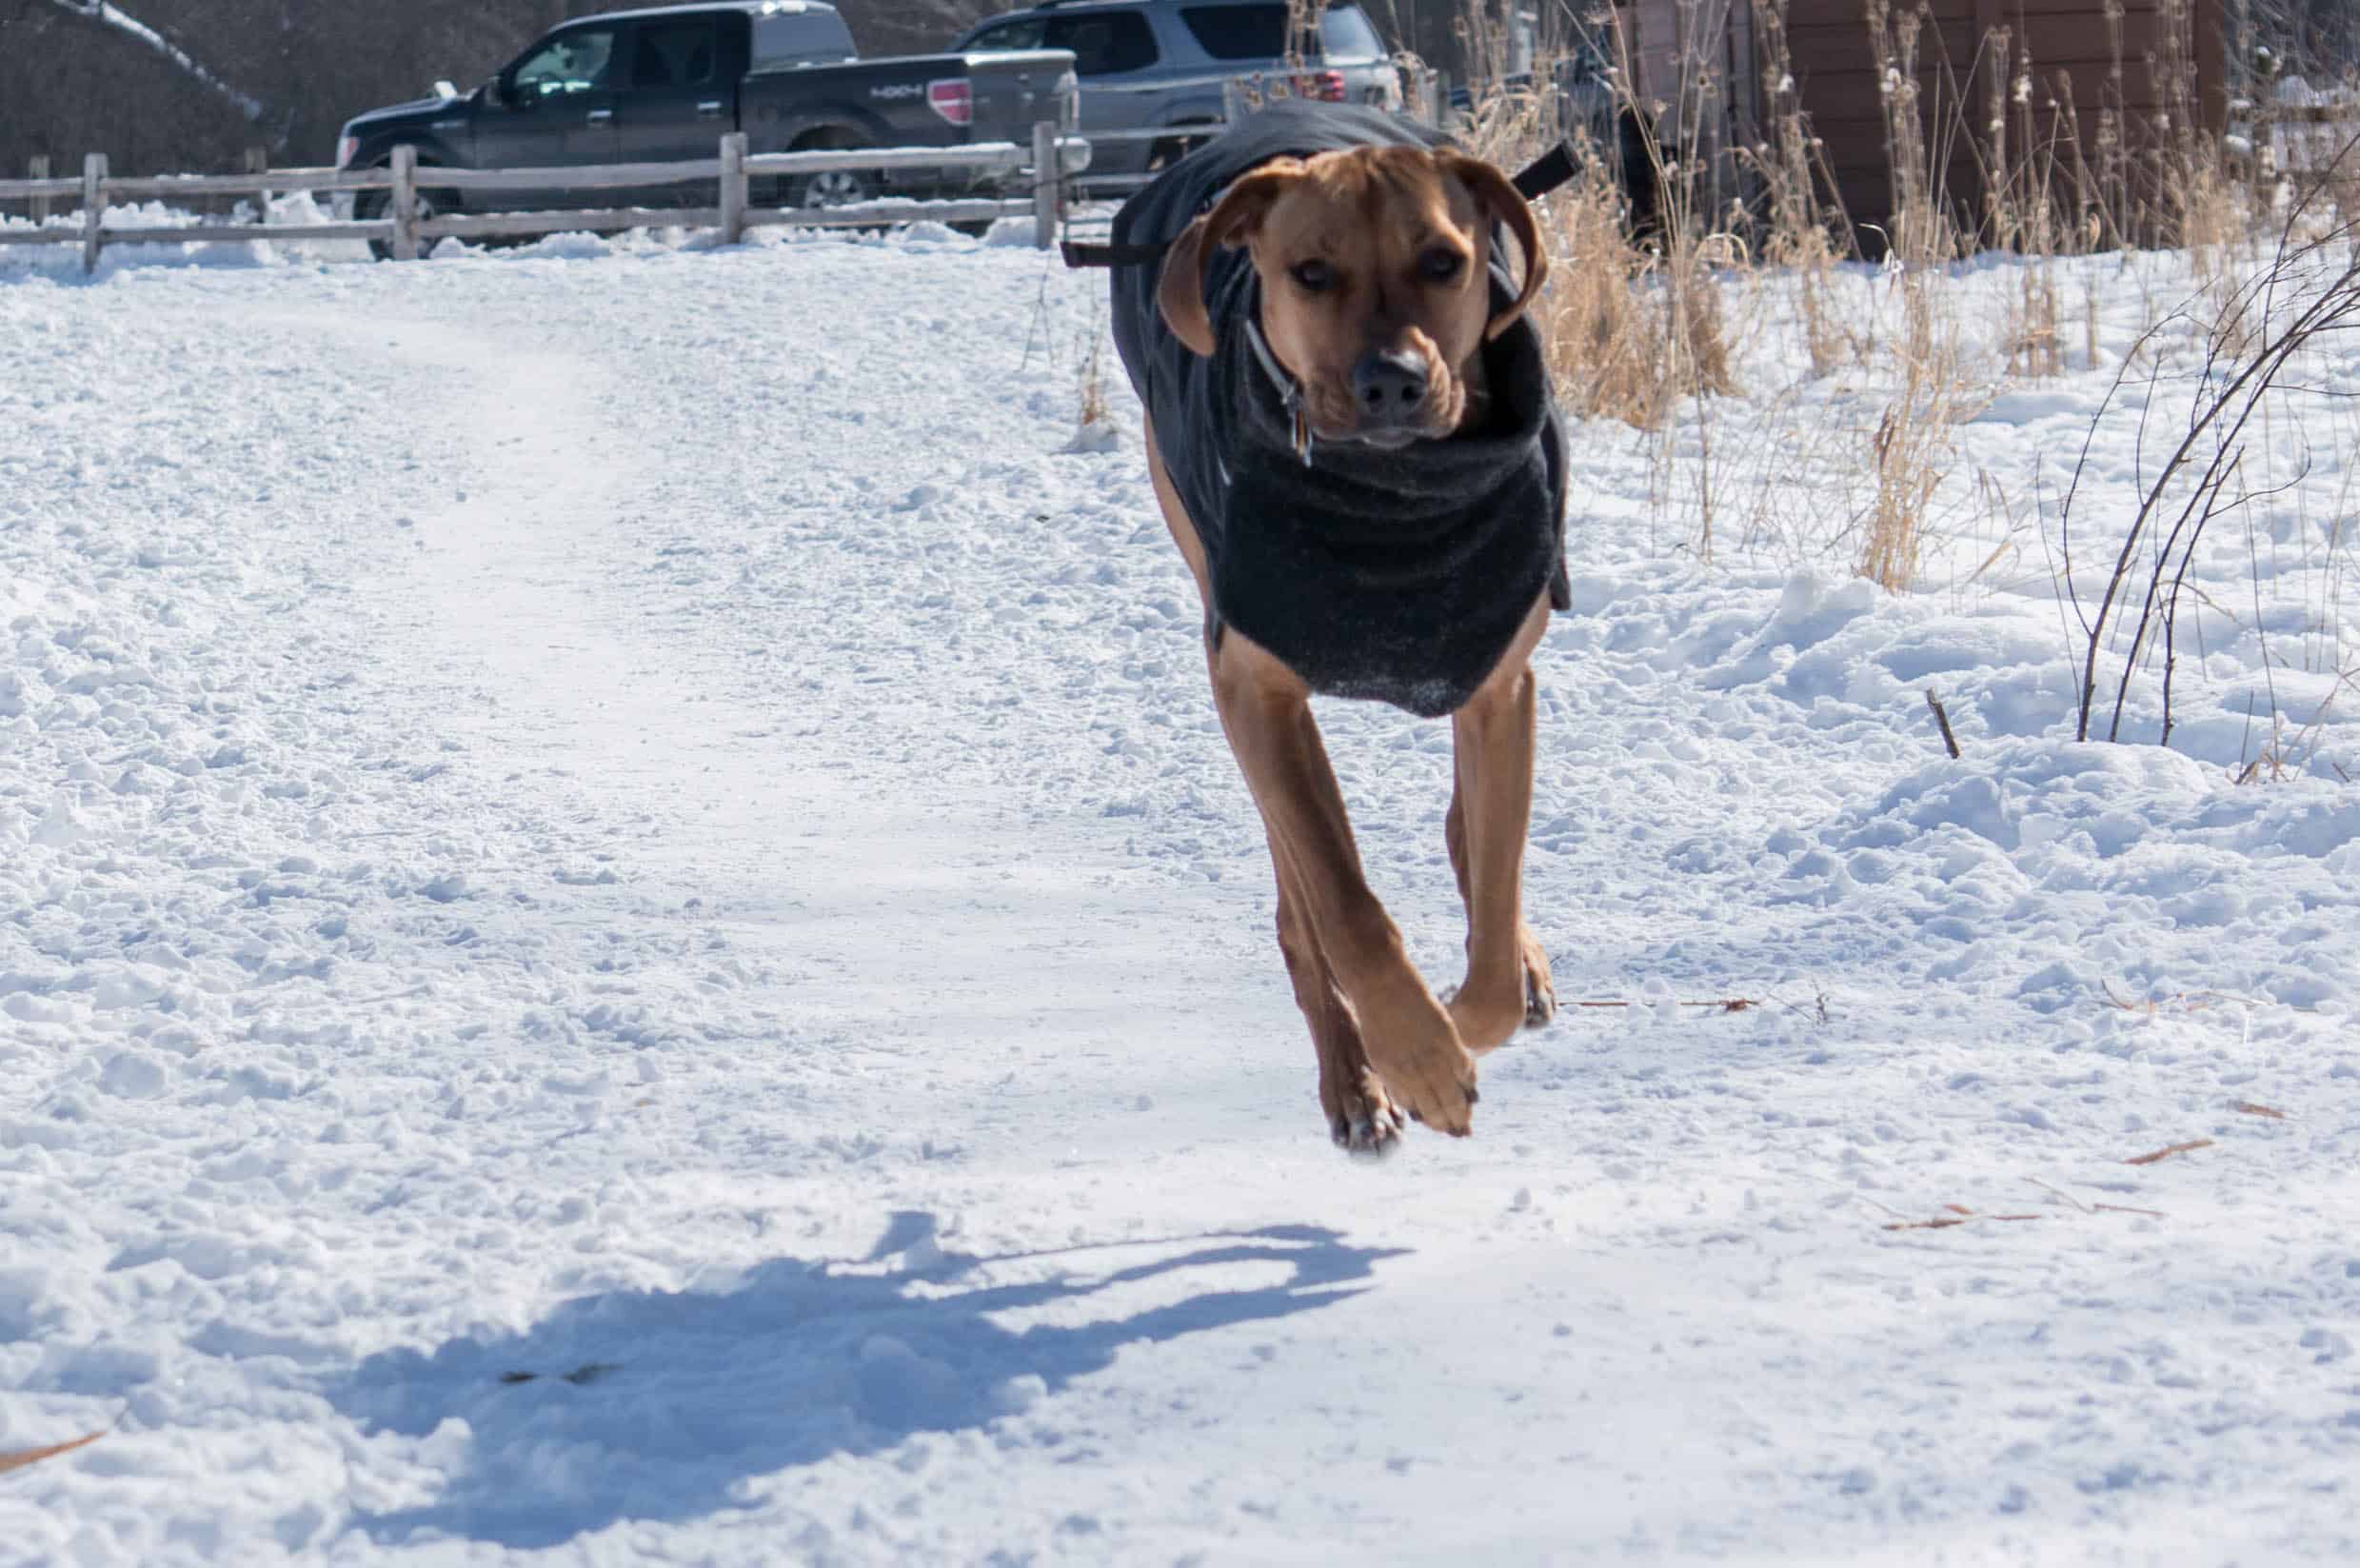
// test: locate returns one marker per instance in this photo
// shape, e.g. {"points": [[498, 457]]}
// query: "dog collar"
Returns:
{"points": [[1290, 391]]}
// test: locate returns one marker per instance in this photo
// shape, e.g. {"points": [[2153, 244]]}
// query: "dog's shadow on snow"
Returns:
{"points": [[649, 1405]]}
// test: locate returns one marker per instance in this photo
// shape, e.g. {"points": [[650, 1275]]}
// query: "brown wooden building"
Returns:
{"points": [[1704, 61]]}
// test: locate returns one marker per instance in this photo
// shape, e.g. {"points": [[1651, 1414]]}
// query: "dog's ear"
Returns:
{"points": [[1179, 293], [1495, 194]]}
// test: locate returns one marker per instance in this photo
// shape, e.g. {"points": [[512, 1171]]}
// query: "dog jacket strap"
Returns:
{"points": [[1545, 173], [1079, 255]]}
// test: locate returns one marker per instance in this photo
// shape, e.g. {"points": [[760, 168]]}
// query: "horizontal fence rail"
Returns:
{"points": [[1045, 171]]}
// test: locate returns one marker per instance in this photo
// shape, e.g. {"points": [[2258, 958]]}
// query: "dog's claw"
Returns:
{"points": [[1369, 1136], [1540, 1004], [1539, 986], [1375, 1134]]}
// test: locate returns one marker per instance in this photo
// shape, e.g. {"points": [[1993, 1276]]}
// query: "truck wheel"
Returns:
{"points": [[837, 187], [368, 206]]}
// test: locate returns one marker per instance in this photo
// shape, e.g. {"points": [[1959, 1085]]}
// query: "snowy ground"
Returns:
{"points": [[626, 936]]}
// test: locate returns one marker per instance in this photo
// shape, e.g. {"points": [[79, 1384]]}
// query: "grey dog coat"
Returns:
{"points": [[1400, 576]]}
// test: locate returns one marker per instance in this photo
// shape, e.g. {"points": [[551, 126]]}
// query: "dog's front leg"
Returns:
{"points": [[1410, 1037], [1507, 982]]}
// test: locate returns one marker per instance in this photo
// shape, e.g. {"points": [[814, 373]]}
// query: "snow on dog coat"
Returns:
{"points": [[1400, 576]]}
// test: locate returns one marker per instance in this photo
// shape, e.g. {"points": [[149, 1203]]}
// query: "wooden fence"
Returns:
{"points": [[405, 229]]}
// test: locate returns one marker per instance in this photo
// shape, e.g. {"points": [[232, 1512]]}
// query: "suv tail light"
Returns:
{"points": [[953, 99], [345, 149], [1326, 85]]}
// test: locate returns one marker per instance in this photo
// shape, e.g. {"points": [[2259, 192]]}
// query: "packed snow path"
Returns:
{"points": [[626, 935]]}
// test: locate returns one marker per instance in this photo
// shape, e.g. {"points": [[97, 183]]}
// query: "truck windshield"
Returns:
{"points": [[1259, 32]]}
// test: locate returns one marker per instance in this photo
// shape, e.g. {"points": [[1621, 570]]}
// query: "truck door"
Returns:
{"points": [[554, 107], [680, 98]]}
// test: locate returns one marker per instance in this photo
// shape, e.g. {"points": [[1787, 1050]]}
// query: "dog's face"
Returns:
{"points": [[1374, 289]]}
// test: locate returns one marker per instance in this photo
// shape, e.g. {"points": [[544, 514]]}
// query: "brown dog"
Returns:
{"points": [[1375, 300]]}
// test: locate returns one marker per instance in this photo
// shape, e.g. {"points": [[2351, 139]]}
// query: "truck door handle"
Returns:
{"points": [[710, 109], [600, 116]]}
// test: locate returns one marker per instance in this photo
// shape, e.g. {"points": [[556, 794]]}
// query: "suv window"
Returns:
{"points": [[675, 53], [576, 62], [1104, 42], [1259, 32], [1022, 34]]}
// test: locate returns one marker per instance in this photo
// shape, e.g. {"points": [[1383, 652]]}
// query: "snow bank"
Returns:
{"points": [[625, 930]]}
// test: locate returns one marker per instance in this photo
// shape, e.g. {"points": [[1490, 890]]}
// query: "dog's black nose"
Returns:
{"points": [[1391, 386]]}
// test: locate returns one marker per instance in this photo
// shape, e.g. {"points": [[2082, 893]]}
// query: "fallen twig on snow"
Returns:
{"points": [[588, 1372], [1958, 1215], [2251, 1109], [2061, 1193], [24, 1457], [2167, 1151], [1726, 1004], [1944, 720], [2194, 1002]]}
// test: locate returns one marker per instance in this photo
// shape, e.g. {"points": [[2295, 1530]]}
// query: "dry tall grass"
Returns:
{"points": [[1639, 326], [2024, 220]]}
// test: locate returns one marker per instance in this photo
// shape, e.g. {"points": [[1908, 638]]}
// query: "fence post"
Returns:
{"points": [[93, 210], [733, 190], [39, 170], [258, 162], [403, 209], [1048, 184]]}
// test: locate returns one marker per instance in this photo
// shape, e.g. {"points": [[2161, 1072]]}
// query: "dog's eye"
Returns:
{"points": [[1315, 276], [1440, 264]]}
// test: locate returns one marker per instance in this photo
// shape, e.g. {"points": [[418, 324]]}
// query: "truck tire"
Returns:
{"points": [[837, 187], [368, 206]]}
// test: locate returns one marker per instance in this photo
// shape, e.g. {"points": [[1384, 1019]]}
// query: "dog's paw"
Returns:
{"points": [[1539, 986], [1430, 1079], [1365, 1122], [1372, 1135]]}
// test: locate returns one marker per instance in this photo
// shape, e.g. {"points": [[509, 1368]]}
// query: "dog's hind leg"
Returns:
{"points": [[1507, 982], [1361, 1116], [1539, 986]]}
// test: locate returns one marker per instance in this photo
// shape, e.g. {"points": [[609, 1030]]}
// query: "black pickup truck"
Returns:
{"points": [[664, 85]]}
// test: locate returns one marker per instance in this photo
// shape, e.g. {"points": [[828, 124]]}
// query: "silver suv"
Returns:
{"points": [[1146, 64]]}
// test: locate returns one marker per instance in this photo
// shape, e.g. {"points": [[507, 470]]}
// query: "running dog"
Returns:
{"points": [[1350, 433]]}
